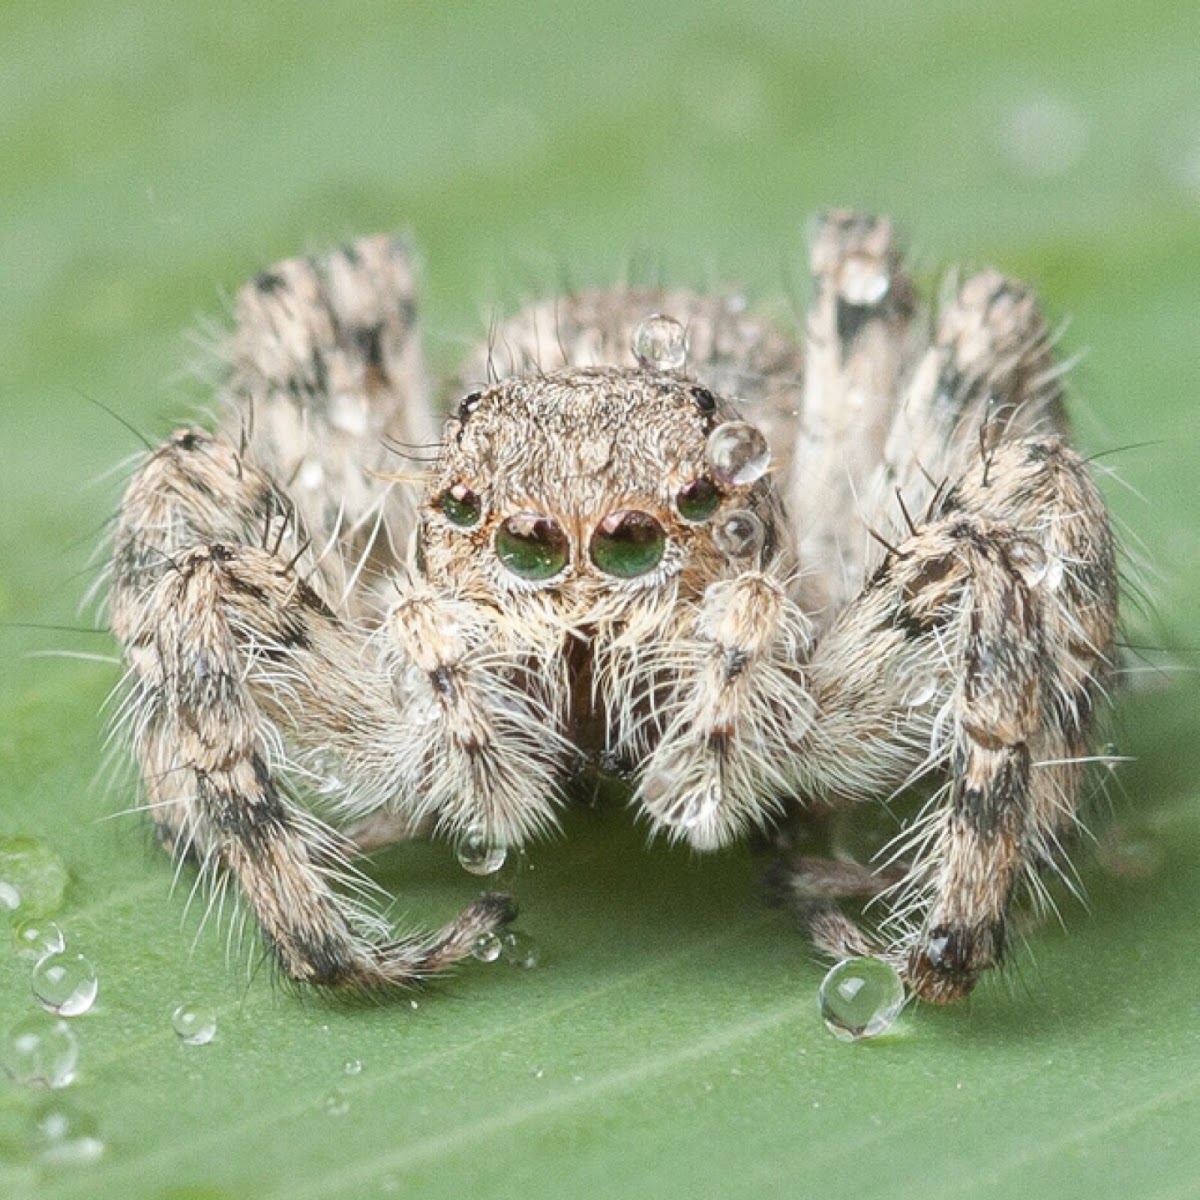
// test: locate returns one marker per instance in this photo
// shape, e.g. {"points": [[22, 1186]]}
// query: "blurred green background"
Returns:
{"points": [[154, 155]]}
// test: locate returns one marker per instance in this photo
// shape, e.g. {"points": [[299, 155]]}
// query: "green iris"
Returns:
{"points": [[460, 505], [532, 546], [628, 543], [698, 500]]}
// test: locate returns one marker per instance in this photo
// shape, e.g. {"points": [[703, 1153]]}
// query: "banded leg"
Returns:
{"points": [[734, 699], [326, 387], [240, 676], [860, 339], [983, 642]]}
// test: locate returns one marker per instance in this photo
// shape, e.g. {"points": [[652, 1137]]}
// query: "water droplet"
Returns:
{"points": [[479, 855], [64, 1135], [352, 1066], [312, 476], [348, 413], [195, 1024], [920, 692], [487, 948], [739, 535], [863, 281], [32, 877], [738, 453], [519, 949], [336, 1104], [860, 998], [699, 805], [41, 1051], [660, 343], [65, 984], [1054, 573], [1030, 559], [35, 937]]}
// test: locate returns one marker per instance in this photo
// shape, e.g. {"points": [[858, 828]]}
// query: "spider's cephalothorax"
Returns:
{"points": [[920, 590]]}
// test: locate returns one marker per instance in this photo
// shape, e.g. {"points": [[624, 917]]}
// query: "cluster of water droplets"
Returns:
{"points": [[41, 1051], [511, 946], [860, 998]]}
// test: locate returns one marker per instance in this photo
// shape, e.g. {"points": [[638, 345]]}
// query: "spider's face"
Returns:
{"points": [[582, 483]]}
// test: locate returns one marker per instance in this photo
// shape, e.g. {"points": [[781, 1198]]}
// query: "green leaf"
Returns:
{"points": [[668, 1044]]}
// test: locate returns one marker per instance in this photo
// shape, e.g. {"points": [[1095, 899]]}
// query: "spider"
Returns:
{"points": [[600, 567]]}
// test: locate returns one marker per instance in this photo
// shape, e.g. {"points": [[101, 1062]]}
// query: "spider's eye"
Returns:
{"points": [[460, 505], [628, 543], [532, 546], [698, 500]]}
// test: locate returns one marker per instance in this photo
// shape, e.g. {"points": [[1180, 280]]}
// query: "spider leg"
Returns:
{"points": [[235, 660], [860, 337], [984, 641], [327, 392]]}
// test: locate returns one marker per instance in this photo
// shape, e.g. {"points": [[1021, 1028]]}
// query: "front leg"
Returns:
{"points": [[737, 701]]}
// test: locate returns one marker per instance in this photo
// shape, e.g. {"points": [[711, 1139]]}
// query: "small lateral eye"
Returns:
{"points": [[532, 546], [460, 505], [698, 500], [628, 543]]}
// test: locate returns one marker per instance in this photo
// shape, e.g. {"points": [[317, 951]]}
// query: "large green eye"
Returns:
{"points": [[698, 500], [628, 543], [460, 505], [532, 546]]}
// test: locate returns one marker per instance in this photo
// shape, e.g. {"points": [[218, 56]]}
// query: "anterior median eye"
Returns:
{"points": [[460, 505], [532, 546], [698, 500], [628, 543]]}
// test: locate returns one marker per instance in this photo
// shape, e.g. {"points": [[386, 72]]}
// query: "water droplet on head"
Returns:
{"points": [[41, 1051], [660, 343], [352, 1066], [32, 877], [336, 1104], [860, 998], [35, 937], [64, 1135], [194, 1024], [479, 855], [739, 535], [487, 947], [65, 984], [738, 453], [519, 949], [862, 281]]}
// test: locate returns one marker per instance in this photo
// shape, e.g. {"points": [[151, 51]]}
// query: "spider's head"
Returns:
{"points": [[595, 482]]}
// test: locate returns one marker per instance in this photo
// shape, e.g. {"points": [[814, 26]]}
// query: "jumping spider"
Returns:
{"points": [[600, 566]]}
